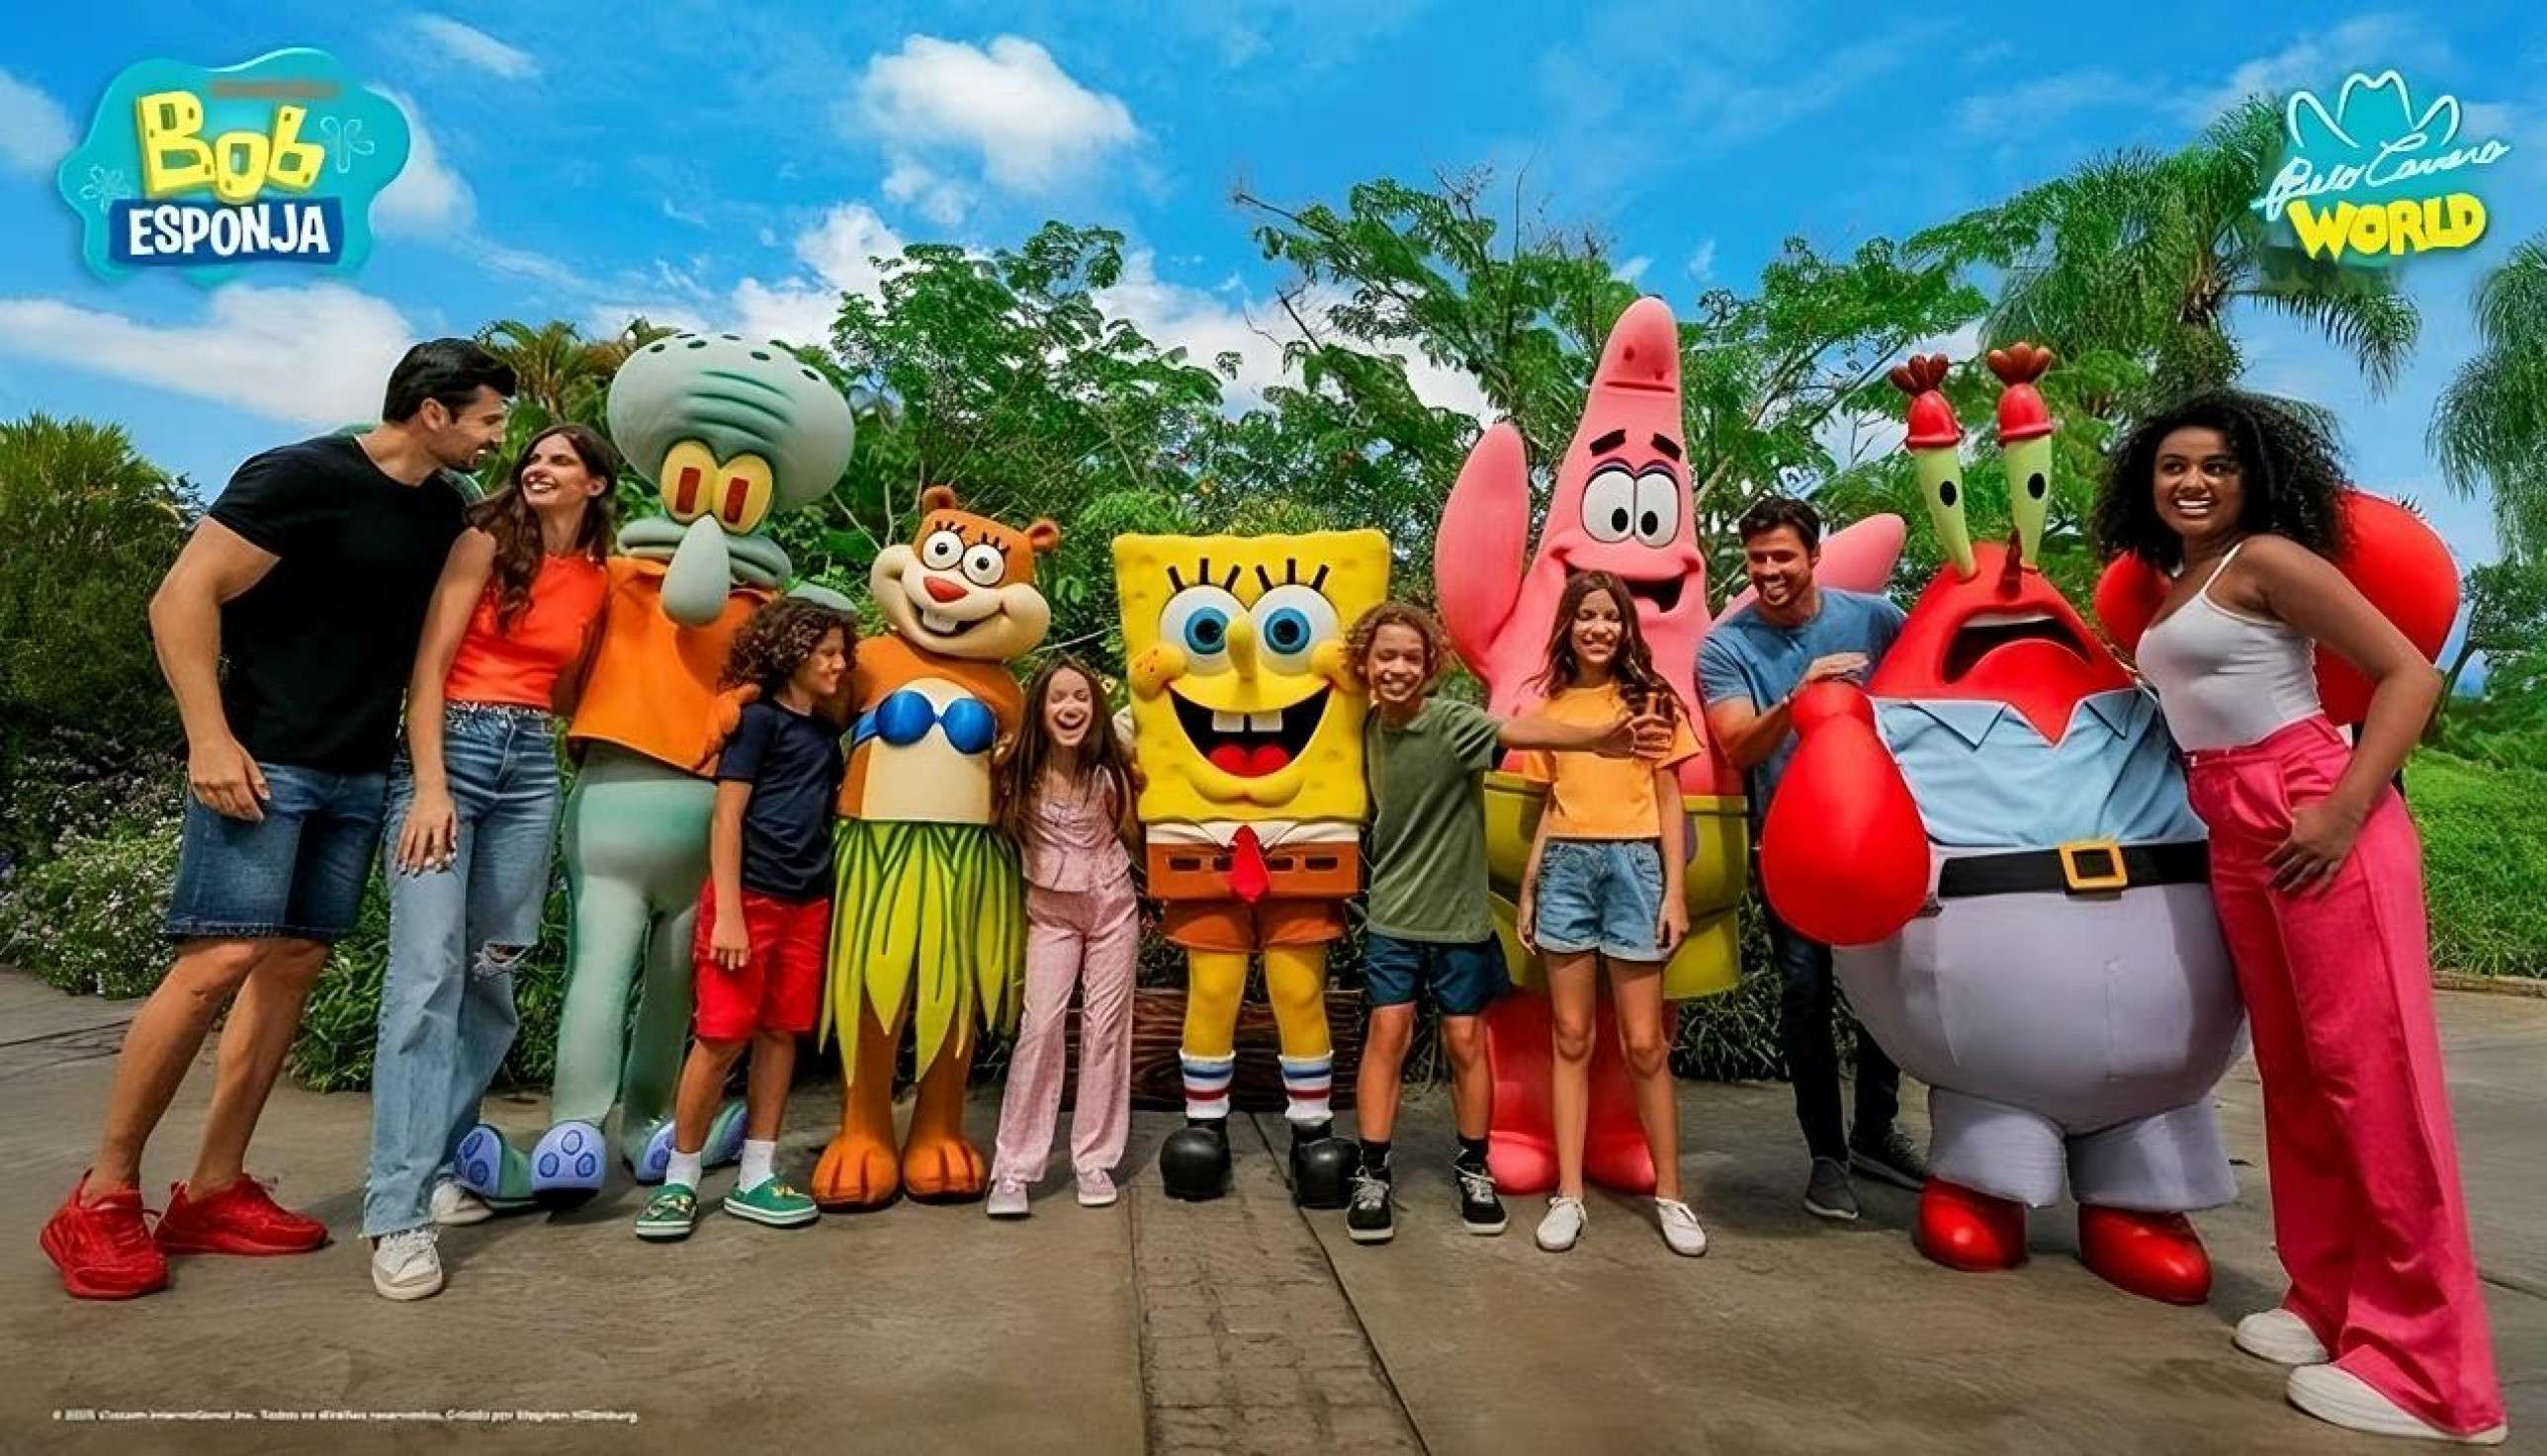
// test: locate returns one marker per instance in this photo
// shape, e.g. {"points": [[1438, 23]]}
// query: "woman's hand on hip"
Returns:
{"points": [[2321, 837]]}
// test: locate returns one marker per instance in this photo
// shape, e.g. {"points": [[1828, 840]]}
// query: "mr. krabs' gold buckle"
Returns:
{"points": [[2112, 877]]}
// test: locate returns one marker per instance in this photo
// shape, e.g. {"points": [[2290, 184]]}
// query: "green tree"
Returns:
{"points": [[2490, 428], [81, 702], [2150, 255], [562, 375], [1770, 381], [2506, 621]]}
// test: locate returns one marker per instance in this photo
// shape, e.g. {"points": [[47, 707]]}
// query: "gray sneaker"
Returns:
{"points": [[1889, 1156], [1827, 1193]]}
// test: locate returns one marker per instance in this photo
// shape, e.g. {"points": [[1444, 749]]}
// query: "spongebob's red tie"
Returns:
{"points": [[1247, 877]]}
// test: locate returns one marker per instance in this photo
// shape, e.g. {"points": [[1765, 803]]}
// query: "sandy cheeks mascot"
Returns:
{"points": [[729, 432], [1998, 845], [931, 905], [1622, 504], [1249, 725]]}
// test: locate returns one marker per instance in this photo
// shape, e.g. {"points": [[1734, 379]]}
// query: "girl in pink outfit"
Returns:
{"points": [[1065, 787], [2319, 883]]}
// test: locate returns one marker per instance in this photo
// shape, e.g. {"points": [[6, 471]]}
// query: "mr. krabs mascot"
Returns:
{"points": [[1999, 845]]}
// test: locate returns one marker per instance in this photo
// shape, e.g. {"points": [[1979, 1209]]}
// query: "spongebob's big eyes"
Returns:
{"points": [[1610, 503], [1657, 506], [940, 550], [984, 566], [1197, 623], [1289, 621]]}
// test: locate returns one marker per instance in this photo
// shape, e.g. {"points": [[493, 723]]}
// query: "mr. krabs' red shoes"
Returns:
{"points": [[2156, 1255], [1969, 1230], [239, 1219], [103, 1248]]}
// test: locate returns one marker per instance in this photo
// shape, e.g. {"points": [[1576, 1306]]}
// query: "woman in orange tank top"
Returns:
{"points": [[472, 822]]}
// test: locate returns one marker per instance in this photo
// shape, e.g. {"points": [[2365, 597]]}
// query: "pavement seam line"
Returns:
{"points": [[1379, 1361]]}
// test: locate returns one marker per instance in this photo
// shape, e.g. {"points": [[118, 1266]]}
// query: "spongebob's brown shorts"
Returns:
{"points": [[1234, 925]]}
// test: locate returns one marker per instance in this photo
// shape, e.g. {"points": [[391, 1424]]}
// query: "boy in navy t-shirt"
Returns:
{"points": [[766, 913]]}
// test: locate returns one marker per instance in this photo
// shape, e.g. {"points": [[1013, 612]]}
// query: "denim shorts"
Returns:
{"points": [[298, 872], [1465, 978], [1600, 894]]}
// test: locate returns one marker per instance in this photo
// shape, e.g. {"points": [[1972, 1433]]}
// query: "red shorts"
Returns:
{"points": [[780, 988]]}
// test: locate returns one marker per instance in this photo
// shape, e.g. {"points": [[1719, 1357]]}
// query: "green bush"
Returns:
{"points": [[87, 919], [2484, 863]]}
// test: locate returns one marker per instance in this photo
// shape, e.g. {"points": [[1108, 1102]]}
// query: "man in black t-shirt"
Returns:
{"points": [[307, 581]]}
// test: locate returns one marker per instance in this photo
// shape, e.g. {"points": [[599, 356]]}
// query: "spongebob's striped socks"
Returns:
{"points": [[1207, 1086], [1306, 1082]]}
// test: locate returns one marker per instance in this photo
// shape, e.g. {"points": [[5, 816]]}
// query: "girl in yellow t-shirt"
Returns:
{"points": [[1603, 886]]}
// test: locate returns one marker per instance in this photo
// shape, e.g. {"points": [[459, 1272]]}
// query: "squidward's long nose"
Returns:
{"points": [[700, 576]]}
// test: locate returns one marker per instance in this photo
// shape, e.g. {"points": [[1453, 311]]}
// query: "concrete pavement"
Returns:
{"points": [[1237, 1326]]}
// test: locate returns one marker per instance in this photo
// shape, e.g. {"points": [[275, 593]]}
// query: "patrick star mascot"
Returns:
{"points": [[1622, 503]]}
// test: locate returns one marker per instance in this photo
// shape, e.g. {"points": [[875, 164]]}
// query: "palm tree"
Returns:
{"points": [[2148, 254], [2490, 427], [561, 375]]}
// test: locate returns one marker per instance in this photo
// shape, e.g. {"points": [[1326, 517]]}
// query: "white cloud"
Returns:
{"points": [[2019, 110], [941, 200], [1702, 261], [472, 46], [1207, 325], [426, 198], [2322, 59], [680, 214], [315, 354], [35, 130], [1635, 268], [1030, 125], [845, 250]]}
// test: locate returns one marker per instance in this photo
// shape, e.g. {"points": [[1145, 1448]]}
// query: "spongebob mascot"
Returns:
{"points": [[1249, 728]]}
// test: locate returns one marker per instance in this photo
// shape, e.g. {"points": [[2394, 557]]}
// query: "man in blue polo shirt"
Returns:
{"points": [[1752, 663]]}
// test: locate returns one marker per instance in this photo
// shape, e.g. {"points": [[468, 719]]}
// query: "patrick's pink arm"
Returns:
{"points": [[1477, 554], [1856, 557]]}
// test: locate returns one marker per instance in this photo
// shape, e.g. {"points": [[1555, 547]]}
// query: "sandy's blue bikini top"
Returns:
{"points": [[905, 718]]}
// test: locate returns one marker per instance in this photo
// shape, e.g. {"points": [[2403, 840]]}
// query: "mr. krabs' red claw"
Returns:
{"points": [[1843, 852]]}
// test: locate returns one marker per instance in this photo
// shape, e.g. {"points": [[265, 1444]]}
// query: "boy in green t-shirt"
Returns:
{"points": [[1428, 915]]}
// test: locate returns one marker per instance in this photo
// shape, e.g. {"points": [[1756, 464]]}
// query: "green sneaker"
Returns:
{"points": [[670, 1215], [772, 1202]]}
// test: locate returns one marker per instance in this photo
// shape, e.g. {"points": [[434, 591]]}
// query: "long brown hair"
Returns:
{"points": [[507, 516], [1633, 668], [1021, 764]]}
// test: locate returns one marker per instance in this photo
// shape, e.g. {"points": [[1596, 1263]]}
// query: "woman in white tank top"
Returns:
{"points": [[2318, 875]]}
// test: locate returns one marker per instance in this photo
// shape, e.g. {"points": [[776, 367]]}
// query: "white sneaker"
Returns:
{"points": [[2278, 1336], [2338, 1397], [1562, 1225], [453, 1206], [407, 1264], [1096, 1188], [1680, 1228], [1008, 1199]]}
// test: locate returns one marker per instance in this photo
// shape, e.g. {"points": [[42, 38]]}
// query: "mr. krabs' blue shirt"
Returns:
{"points": [[1986, 779]]}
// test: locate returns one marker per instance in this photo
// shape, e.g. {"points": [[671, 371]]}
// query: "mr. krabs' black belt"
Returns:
{"points": [[2081, 867]]}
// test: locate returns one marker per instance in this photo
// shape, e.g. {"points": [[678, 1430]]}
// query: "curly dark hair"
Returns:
{"points": [[1366, 628], [507, 516], [1016, 771], [776, 639], [1633, 667], [2289, 464]]}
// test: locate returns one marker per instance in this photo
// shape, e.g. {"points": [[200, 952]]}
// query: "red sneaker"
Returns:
{"points": [[104, 1249], [2156, 1255], [1969, 1230], [239, 1219]]}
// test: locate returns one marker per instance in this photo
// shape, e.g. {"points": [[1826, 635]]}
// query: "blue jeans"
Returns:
{"points": [[455, 936], [296, 873]]}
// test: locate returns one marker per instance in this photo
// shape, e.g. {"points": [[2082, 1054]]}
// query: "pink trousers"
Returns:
{"points": [[2367, 1212], [1087, 938]]}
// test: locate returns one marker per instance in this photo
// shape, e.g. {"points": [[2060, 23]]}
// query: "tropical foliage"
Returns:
{"points": [[2490, 431]]}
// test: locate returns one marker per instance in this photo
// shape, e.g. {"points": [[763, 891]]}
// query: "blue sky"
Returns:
{"points": [[737, 165]]}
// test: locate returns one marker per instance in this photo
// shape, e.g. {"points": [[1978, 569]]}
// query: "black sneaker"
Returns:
{"points": [[1827, 1194], [1889, 1158], [1368, 1217], [1480, 1211]]}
